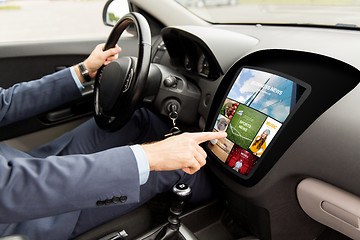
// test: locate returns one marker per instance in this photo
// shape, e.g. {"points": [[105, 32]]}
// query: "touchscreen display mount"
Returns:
{"points": [[255, 109]]}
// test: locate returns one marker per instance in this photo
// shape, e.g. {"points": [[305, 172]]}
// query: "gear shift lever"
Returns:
{"points": [[174, 230], [182, 193]]}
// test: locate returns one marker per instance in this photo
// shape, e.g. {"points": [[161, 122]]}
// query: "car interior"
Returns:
{"points": [[294, 87]]}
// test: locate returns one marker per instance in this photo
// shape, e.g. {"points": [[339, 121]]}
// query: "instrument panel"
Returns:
{"points": [[191, 57], [197, 63]]}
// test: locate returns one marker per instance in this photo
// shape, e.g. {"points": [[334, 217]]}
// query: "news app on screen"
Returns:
{"points": [[255, 109]]}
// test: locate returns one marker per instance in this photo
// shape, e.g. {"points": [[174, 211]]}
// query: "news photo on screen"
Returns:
{"points": [[255, 109]]}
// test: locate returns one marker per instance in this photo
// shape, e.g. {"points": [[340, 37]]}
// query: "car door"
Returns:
{"points": [[41, 38]]}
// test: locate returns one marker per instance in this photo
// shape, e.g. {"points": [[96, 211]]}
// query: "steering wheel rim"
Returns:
{"points": [[130, 90]]}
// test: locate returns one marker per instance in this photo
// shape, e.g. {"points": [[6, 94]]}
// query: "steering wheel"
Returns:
{"points": [[119, 87]]}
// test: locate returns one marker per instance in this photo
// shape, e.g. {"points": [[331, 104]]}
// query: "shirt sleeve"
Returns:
{"points": [[142, 162], [76, 79]]}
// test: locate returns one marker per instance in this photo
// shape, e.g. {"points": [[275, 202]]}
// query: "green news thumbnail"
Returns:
{"points": [[244, 126]]}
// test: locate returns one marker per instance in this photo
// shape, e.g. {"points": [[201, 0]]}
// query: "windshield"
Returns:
{"points": [[344, 13]]}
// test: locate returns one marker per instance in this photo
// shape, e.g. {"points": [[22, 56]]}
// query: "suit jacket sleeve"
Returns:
{"points": [[28, 99], [35, 188], [39, 187]]}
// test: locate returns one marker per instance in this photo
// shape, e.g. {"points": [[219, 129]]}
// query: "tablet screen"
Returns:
{"points": [[253, 112]]}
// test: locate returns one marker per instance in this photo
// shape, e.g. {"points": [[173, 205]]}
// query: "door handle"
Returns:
{"points": [[59, 115]]}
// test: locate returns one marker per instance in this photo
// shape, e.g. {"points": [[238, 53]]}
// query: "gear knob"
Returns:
{"points": [[182, 193], [182, 190]]}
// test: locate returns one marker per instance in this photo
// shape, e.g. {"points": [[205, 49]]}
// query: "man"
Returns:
{"points": [[87, 176]]}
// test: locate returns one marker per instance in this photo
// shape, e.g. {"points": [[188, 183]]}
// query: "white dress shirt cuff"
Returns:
{"points": [[142, 162], [76, 79]]}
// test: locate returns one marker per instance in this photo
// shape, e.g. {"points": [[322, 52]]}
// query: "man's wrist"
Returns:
{"points": [[84, 72], [78, 73], [76, 78]]}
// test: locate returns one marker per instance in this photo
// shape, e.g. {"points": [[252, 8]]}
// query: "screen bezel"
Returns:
{"points": [[229, 80]]}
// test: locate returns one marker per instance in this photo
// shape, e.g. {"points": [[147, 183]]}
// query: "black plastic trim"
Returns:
{"points": [[328, 78]]}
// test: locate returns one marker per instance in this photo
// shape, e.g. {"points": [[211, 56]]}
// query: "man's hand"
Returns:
{"points": [[180, 152], [97, 58]]}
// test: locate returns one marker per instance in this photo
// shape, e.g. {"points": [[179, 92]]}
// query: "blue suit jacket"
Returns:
{"points": [[42, 197]]}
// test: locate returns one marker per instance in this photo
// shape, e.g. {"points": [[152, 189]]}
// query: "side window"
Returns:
{"points": [[43, 20]]}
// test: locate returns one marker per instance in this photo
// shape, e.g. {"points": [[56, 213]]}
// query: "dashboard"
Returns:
{"points": [[301, 91], [250, 91]]}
